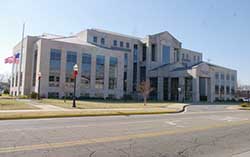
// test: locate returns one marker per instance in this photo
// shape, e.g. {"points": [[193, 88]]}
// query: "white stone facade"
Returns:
{"points": [[159, 58]]}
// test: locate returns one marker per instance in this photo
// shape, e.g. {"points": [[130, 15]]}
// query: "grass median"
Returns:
{"points": [[13, 104], [82, 113], [106, 104]]}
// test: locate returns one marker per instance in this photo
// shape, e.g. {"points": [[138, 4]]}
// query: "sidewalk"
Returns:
{"points": [[51, 111]]}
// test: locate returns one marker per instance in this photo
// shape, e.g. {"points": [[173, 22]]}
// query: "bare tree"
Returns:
{"points": [[65, 89], [145, 89]]}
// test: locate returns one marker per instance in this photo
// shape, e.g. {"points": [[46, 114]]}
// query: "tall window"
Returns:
{"points": [[34, 68], [165, 54], [55, 66], [216, 89], [115, 42], [85, 70], [113, 72], [153, 53], [95, 39], [100, 65], [71, 61], [127, 45], [135, 53], [125, 61], [121, 43], [177, 54], [217, 76], [125, 72], [222, 76], [55, 60], [102, 41], [144, 52]]}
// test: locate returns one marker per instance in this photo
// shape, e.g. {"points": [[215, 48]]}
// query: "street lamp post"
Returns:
{"points": [[75, 68], [39, 82]]}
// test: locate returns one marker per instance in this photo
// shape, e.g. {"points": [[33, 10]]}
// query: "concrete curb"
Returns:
{"points": [[77, 113]]}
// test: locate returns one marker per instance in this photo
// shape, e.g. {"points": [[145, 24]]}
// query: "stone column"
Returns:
{"points": [[160, 88], [106, 77], [181, 85], [196, 91], [169, 88], [62, 72], [92, 75], [78, 78]]}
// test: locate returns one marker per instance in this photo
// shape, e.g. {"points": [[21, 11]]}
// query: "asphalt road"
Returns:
{"points": [[201, 131]]}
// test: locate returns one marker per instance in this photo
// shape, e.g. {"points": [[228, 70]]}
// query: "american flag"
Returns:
{"points": [[12, 59]]}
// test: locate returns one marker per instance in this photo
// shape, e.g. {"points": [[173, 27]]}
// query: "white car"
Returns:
{"points": [[245, 99]]}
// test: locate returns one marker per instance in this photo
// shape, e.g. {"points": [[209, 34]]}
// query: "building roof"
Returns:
{"points": [[114, 33]]}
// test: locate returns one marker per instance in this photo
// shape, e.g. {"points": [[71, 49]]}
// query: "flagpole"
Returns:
{"points": [[20, 60]]}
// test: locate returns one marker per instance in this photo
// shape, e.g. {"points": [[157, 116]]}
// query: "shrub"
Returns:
{"points": [[245, 105], [33, 95]]}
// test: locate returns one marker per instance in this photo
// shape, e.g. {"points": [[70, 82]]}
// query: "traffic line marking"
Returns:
{"points": [[115, 138]]}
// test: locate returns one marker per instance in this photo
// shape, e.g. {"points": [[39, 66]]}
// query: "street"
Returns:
{"points": [[200, 131]]}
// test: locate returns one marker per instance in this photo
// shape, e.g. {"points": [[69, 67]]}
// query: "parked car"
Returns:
{"points": [[245, 99]]}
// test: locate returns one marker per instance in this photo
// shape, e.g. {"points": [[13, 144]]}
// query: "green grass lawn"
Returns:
{"points": [[13, 104], [104, 104]]}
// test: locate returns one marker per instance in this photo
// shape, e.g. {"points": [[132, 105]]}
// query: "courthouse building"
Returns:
{"points": [[113, 65]]}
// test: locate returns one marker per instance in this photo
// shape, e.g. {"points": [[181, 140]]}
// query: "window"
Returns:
{"points": [[95, 39], [113, 72], [198, 58], [228, 77], [165, 54], [222, 77], [34, 68], [53, 95], [176, 55], [102, 41], [55, 60], [232, 78], [71, 61], [194, 58], [153, 52], [216, 89], [144, 52], [187, 57], [100, 65], [55, 67], [142, 73], [85, 70], [183, 56], [127, 45], [121, 44], [222, 90], [125, 60], [135, 54], [51, 78], [228, 90], [115, 42], [217, 76]]}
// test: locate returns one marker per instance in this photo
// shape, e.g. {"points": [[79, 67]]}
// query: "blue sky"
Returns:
{"points": [[219, 29]]}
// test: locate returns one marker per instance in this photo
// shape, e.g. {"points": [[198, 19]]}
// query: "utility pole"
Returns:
{"points": [[20, 62]]}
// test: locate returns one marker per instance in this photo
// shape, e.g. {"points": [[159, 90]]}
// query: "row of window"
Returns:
{"points": [[115, 42], [222, 77], [221, 90], [71, 60], [186, 57]]}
